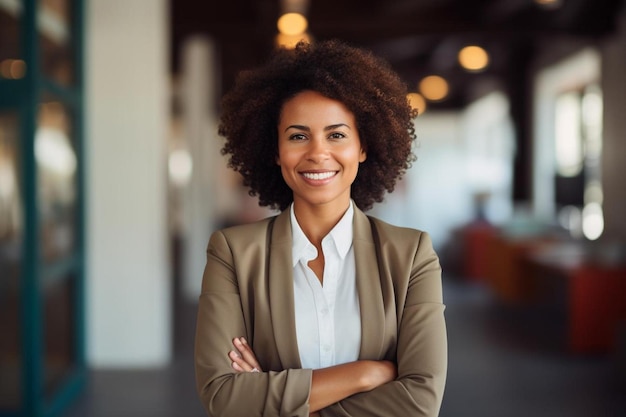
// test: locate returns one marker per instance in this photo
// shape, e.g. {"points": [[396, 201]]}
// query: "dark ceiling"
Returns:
{"points": [[418, 37]]}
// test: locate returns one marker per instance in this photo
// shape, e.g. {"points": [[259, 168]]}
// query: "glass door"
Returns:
{"points": [[42, 256]]}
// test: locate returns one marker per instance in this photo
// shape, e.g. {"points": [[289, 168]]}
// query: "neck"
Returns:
{"points": [[316, 222]]}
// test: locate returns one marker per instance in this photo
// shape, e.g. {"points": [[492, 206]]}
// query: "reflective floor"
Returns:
{"points": [[502, 363]]}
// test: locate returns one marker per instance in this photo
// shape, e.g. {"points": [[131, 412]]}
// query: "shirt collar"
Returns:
{"points": [[341, 235]]}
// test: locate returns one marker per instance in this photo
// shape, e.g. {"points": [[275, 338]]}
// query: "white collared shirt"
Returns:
{"points": [[328, 320]]}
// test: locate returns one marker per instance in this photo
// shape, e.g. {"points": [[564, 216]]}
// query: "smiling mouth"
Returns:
{"points": [[317, 176]]}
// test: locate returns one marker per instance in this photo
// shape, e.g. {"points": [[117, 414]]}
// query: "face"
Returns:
{"points": [[319, 150]]}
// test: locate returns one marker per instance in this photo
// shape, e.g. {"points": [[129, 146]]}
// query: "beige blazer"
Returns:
{"points": [[247, 290]]}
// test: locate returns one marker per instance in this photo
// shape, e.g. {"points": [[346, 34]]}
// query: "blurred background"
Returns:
{"points": [[111, 183]]}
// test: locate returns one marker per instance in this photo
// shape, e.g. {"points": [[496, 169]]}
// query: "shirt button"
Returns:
{"points": [[326, 348], [324, 311]]}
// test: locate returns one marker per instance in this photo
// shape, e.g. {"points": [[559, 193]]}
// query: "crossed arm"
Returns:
{"points": [[328, 385]]}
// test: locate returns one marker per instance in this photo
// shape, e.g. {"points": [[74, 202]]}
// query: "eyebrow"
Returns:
{"points": [[308, 129]]}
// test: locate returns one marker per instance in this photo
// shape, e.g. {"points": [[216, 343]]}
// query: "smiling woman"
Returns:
{"points": [[320, 310], [364, 84]]}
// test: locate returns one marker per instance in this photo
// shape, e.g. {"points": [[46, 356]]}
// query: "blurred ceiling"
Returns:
{"points": [[418, 37]]}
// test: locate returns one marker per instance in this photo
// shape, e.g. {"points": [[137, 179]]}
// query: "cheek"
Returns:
{"points": [[356, 156], [282, 156], [287, 164]]}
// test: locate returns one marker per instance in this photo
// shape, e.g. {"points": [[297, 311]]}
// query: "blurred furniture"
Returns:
{"points": [[592, 278], [506, 273], [475, 241]]}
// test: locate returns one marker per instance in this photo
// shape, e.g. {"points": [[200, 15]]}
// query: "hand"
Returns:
{"points": [[243, 358]]}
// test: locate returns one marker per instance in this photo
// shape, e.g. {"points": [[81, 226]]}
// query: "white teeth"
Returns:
{"points": [[318, 175]]}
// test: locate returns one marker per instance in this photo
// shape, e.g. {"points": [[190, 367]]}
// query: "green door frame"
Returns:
{"points": [[24, 95]]}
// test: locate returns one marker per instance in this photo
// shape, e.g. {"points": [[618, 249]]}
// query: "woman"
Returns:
{"points": [[321, 309]]}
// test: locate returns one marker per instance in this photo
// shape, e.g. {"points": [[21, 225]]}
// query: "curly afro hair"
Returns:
{"points": [[364, 83]]}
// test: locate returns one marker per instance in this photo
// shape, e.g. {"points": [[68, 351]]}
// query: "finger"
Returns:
{"points": [[238, 363], [246, 352], [236, 367]]}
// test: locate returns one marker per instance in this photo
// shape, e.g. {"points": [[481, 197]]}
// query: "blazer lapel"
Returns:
{"points": [[281, 292], [368, 288]]}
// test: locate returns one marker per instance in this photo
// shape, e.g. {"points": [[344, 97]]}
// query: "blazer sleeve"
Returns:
{"points": [[421, 350], [224, 392]]}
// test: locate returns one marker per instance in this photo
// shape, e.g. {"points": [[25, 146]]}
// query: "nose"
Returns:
{"points": [[318, 150]]}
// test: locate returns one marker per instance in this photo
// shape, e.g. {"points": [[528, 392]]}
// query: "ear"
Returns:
{"points": [[277, 160], [363, 155]]}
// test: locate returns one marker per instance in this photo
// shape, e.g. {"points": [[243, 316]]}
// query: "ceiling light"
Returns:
{"points": [[473, 58], [292, 24], [549, 4], [290, 41], [434, 88]]}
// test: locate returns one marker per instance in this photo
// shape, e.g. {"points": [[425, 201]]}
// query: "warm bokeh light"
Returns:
{"points": [[292, 24], [18, 69], [12, 69], [5, 68], [290, 41], [473, 58], [434, 88], [549, 3], [8, 180], [417, 102]]}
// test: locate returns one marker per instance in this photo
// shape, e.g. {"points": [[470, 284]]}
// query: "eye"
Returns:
{"points": [[336, 135], [297, 136]]}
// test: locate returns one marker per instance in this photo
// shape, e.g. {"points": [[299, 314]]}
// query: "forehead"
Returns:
{"points": [[312, 106]]}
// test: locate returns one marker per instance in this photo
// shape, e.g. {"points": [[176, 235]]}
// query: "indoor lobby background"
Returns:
{"points": [[111, 182]]}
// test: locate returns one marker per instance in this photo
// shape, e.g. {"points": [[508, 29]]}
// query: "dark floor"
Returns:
{"points": [[501, 364]]}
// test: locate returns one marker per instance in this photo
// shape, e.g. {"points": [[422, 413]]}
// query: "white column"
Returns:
{"points": [[198, 97], [128, 276]]}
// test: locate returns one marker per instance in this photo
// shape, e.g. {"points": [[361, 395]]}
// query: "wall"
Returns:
{"points": [[128, 278], [614, 146]]}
